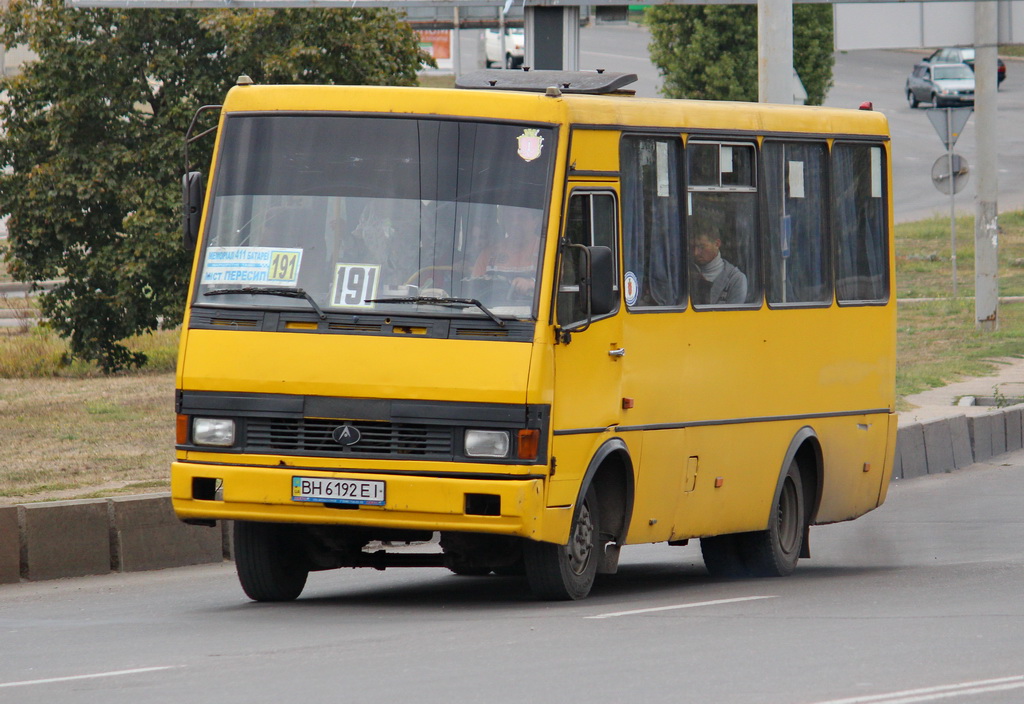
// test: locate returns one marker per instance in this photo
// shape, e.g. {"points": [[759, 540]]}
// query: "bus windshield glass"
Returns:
{"points": [[363, 214]]}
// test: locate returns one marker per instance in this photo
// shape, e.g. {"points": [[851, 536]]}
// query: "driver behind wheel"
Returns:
{"points": [[512, 255]]}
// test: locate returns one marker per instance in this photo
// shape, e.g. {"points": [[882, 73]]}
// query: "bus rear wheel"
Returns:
{"points": [[774, 552], [564, 572], [722, 556], [269, 560]]}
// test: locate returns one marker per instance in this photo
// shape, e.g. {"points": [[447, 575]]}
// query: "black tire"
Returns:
{"points": [[510, 61], [935, 101], [269, 561], [563, 572], [774, 552], [722, 556], [914, 102]]}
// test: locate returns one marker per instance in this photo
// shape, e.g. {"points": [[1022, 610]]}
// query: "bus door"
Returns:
{"points": [[589, 358]]}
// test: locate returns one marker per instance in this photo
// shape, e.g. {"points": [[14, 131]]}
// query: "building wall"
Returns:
{"points": [[910, 25]]}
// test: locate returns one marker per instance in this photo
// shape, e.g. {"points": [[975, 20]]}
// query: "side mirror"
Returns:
{"points": [[602, 281], [192, 193]]}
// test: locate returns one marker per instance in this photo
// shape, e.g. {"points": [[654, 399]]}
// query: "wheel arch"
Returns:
{"points": [[805, 448], [611, 473]]}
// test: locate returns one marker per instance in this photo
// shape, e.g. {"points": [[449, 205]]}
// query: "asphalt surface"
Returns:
{"points": [[922, 593]]}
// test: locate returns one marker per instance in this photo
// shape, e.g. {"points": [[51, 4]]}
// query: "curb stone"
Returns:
{"points": [[60, 539]]}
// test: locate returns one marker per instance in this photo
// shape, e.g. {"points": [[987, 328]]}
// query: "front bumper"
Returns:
{"points": [[428, 503]]}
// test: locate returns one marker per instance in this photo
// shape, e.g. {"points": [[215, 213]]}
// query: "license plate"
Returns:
{"points": [[338, 491]]}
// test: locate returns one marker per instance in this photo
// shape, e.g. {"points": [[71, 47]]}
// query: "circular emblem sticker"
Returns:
{"points": [[632, 288], [346, 435]]}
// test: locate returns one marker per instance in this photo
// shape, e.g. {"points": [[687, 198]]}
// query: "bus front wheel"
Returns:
{"points": [[563, 572], [269, 559]]}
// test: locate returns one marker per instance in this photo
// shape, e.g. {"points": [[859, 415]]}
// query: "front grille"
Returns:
{"points": [[315, 436]]}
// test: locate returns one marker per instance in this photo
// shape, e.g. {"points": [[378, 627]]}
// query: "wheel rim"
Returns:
{"points": [[581, 544], [788, 522]]}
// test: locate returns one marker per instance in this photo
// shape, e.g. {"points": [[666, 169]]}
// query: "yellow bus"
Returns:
{"points": [[529, 320]]}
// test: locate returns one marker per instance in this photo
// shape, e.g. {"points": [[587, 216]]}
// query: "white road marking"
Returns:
{"points": [[693, 605], [931, 694], [114, 673]]}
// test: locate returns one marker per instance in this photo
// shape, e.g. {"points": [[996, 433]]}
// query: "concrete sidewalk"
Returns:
{"points": [[1002, 389]]}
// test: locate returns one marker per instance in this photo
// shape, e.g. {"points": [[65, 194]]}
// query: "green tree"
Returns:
{"points": [[90, 155], [709, 52]]}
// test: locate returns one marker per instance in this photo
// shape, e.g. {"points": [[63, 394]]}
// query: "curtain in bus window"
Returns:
{"points": [[859, 222], [796, 214], [654, 256]]}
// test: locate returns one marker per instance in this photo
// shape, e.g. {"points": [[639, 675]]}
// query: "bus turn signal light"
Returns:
{"points": [[181, 429], [529, 442]]}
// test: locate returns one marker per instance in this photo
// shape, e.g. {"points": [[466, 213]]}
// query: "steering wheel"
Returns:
{"points": [[436, 277]]}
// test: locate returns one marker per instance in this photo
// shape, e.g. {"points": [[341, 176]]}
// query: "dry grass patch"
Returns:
{"points": [[65, 438]]}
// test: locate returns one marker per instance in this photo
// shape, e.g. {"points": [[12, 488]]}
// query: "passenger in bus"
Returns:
{"points": [[512, 254], [713, 280]]}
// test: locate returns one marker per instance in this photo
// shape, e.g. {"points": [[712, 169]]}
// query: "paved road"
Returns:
{"points": [[922, 593]]}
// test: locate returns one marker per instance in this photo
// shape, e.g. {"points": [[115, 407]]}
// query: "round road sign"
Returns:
{"points": [[944, 180]]}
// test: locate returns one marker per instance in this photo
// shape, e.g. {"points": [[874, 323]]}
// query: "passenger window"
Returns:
{"points": [[590, 220], [721, 225], [654, 252], [860, 223], [797, 220]]}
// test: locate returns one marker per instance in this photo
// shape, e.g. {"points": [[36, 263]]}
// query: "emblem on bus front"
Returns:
{"points": [[346, 435], [530, 144]]}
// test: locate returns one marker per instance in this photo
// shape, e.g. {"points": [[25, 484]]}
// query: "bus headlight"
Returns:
{"points": [[219, 432], [487, 443]]}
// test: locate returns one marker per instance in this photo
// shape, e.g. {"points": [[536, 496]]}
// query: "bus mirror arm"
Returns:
{"points": [[192, 208]]}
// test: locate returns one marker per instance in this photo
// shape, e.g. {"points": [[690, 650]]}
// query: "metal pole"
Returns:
{"points": [[501, 37], [986, 219], [952, 193], [775, 51], [456, 44]]}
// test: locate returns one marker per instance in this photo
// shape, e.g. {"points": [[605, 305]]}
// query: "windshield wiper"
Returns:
{"points": [[441, 301], [270, 291]]}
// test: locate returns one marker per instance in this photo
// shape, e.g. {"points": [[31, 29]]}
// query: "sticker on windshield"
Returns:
{"points": [[354, 285], [266, 266], [530, 144]]}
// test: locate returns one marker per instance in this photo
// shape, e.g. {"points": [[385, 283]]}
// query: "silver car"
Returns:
{"points": [[942, 85]]}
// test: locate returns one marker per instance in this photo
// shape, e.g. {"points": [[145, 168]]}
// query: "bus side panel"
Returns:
{"points": [[890, 458], [854, 455], [743, 383], [660, 486], [595, 150], [737, 471]]}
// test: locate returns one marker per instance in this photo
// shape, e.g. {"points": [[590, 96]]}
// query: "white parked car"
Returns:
{"points": [[515, 42]]}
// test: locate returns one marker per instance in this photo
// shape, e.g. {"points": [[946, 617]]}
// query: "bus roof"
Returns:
{"points": [[620, 111]]}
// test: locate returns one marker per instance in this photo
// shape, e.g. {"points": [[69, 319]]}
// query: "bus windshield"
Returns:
{"points": [[381, 214]]}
